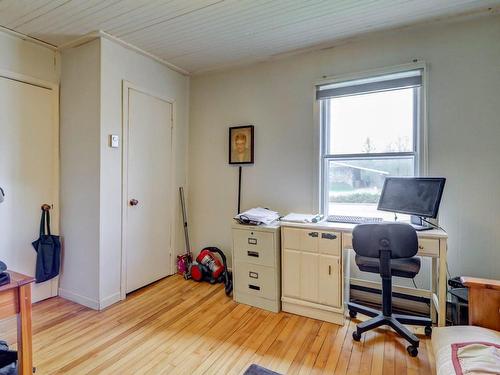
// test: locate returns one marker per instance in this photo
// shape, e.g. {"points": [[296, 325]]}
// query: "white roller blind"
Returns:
{"points": [[395, 81]]}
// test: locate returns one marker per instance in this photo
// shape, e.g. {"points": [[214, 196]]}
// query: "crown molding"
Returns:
{"points": [[102, 34]]}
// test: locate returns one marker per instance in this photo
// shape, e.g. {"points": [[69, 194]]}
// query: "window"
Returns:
{"points": [[369, 130]]}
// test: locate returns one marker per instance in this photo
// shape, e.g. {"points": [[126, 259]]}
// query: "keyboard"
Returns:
{"points": [[353, 219]]}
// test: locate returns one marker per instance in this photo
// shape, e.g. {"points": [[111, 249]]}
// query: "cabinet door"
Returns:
{"points": [[329, 289], [309, 276], [291, 273]]}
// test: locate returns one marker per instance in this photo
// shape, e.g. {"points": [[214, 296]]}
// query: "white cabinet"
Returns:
{"points": [[256, 266], [312, 272]]}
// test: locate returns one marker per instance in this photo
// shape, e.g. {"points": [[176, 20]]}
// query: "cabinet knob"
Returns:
{"points": [[313, 234]]}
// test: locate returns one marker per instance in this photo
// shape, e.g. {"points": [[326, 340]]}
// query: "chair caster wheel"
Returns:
{"points": [[356, 336], [428, 331], [412, 350], [353, 314]]}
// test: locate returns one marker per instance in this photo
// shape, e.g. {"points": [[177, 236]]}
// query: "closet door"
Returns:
{"points": [[28, 174], [149, 194]]}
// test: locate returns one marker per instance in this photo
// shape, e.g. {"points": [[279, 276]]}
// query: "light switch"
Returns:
{"points": [[114, 141]]}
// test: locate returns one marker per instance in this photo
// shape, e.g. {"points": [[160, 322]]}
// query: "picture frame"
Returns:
{"points": [[241, 144]]}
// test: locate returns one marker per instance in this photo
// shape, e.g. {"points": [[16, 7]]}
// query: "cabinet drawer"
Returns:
{"points": [[329, 243], [428, 246], [256, 280], [301, 239], [254, 247]]}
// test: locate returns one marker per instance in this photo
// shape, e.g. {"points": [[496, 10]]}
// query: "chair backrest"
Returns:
{"points": [[400, 238]]}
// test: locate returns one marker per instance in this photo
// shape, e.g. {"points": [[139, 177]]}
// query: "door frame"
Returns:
{"points": [[54, 88], [126, 87]]}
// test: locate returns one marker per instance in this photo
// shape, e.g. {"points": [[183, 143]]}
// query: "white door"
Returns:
{"points": [[28, 174], [148, 204]]}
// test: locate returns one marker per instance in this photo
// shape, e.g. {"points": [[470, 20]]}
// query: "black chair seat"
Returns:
{"points": [[402, 267]]}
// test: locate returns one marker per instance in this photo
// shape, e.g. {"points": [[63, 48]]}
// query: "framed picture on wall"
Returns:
{"points": [[241, 144]]}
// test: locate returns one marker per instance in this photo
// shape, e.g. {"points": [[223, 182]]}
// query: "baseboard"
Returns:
{"points": [[108, 301], [82, 300]]}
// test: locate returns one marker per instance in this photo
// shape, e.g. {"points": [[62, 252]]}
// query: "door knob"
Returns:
{"points": [[134, 202]]}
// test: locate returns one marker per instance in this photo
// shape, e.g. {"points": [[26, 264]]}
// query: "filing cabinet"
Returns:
{"points": [[256, 266]]}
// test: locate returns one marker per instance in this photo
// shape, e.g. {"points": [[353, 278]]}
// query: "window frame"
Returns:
{"points": [[419, 152]]}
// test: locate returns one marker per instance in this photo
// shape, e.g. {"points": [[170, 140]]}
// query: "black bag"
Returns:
{"points": [[8, 360], [48, 248], [4, 276]]}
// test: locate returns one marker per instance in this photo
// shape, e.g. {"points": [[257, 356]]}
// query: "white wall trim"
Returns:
{"points": [[108, 301], [126, 86], [102, 34], [54, 86], [78, 298]]}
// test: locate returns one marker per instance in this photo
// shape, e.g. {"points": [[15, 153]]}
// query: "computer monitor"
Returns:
{"points": [[419, 196]]}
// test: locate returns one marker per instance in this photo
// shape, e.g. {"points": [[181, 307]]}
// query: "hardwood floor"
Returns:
{"points": [[182, 327]]}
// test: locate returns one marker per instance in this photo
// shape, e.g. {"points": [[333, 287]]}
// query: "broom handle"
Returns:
{"points": [[184, 219]]}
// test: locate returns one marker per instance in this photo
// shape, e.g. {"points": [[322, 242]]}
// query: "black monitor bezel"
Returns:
{"points": [[442, 181]]}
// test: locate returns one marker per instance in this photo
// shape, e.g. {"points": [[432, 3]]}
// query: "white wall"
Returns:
{"points": [[28, 58], [80, 180], [91, 110], [118, 64], [278, 96]]}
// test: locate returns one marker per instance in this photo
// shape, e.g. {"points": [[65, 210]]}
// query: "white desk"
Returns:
{"points": [[431, 243]]}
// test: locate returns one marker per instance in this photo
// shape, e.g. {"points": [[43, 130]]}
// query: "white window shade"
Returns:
{"points": [[408, 79]]}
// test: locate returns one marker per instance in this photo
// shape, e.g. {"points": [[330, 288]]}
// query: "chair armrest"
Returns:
{"points": [[474, 282]]}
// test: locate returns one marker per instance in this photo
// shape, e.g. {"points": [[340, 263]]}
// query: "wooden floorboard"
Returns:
{"points": [[183, 327]]}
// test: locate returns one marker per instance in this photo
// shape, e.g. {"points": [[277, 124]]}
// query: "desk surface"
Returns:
{"points": [[345, 227], [16, 280]]}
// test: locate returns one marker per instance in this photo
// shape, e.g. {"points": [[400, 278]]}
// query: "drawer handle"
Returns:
{"points": [[252, 241], [254, 287], [254, 254], [329, 269], [313, 234], [420, 247], [253, 275], [328, 236]]}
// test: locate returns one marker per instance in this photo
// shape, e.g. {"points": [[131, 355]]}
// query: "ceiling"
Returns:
{"points": [[202, 35]]}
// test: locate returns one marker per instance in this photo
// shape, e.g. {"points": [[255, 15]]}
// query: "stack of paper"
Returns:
{"points": [[258, 215], [301, 218]]}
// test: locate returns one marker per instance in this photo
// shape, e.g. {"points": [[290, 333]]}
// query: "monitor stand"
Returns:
{"points": [[419, 224], [420, 228]]}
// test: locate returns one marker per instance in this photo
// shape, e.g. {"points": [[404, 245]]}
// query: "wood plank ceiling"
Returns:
{"points": [[201, 35]]}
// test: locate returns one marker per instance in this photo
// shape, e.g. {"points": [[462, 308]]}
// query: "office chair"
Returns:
{"points": [[388, 249]]}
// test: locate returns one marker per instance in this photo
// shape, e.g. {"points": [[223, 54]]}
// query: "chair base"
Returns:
{"points": [[395, 321]]}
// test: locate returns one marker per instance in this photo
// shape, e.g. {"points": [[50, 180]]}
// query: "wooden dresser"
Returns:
{"points": [[256, 266]]}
